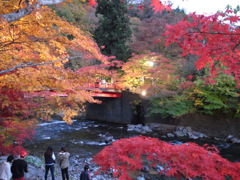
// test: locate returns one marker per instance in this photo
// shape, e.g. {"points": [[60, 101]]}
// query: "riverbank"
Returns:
{"points": [[37, 170], [218, 125], [84, 138]]}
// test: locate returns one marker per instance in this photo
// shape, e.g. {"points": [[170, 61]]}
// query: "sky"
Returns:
{"points": [[204, 6]]}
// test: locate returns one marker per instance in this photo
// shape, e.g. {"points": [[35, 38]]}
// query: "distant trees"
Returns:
{"points": [[79, 13], [149, 34], [113, 33]]}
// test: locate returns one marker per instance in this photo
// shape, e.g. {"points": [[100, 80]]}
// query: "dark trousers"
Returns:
{"points": [[51, 167], [65, 173]]}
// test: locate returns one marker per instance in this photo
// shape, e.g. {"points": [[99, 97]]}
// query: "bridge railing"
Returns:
{"points": [[105, 86]]}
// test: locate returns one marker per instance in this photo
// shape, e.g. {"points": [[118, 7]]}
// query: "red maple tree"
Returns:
{"points": [[214, 39], [187, 160]]}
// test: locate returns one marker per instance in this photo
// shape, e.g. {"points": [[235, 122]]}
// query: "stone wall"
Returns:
{"points": [[212, 125], [216, 125], [120, 110]]}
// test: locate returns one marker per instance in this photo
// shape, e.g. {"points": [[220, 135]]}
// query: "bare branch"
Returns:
{"points": [[49, 2], [28, 10], [18, 14], [24, 65]]}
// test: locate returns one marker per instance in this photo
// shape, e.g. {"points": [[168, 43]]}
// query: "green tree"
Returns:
{"points": [[206, 95], [113, 33], [79, 13]]}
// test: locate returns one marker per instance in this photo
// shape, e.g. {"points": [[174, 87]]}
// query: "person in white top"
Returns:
{"points": [[63, 160], [5, 169]]}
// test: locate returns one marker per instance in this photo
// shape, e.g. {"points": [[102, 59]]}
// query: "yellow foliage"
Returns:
{"points": [[68, 114], [198, 102], [10, 6], [37, 47]]}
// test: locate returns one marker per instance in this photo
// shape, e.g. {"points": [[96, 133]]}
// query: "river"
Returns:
{"points": [[86, 138]]}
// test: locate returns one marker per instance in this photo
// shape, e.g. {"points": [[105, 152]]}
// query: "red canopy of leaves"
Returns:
{"points": [[211, 38], [185, 160]]}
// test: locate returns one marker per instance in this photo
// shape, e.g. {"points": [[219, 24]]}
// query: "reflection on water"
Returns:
{"points": [[86, 138]]}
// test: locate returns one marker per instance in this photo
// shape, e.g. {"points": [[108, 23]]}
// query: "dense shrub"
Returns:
{"points": [[207, 95]]}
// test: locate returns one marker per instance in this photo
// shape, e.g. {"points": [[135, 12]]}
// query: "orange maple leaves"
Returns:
{"points": [[33, 52]]}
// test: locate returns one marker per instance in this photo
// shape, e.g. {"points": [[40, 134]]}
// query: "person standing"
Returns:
{"points": [[5, 169], [85, 174], [63, 160], [19, 167], [49, 162]]}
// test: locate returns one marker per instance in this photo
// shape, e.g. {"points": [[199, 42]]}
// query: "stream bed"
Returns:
{"points": [[86, 138]]}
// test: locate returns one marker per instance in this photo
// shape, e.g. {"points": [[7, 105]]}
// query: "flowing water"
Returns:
{"points": [[82, 137], [86, 138]]}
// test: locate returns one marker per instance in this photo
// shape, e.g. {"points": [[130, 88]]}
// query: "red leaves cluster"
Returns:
{"points": [[159, 7], [185, 160], [211, 38], [92, 2], [13, 135], [14, 128]]}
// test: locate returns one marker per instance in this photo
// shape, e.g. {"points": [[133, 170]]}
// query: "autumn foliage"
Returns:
{"points": [[213, 39], [35, 44], [127, 156], [149, 71], [33, 51]]}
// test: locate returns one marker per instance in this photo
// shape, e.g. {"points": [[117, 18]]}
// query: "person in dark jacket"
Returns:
{"points": [[19, 167], [49, 162], [85, 174]]}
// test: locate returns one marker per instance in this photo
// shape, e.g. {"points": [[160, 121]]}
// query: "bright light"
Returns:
{"points": [[150, 63], [144, 92]]}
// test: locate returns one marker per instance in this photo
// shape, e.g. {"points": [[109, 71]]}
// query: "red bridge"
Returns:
{"points": [[98, 89], [106, 89]]}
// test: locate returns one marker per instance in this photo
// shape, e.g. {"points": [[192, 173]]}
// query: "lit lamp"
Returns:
{"points": [[144, 93], [150, 63]]}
